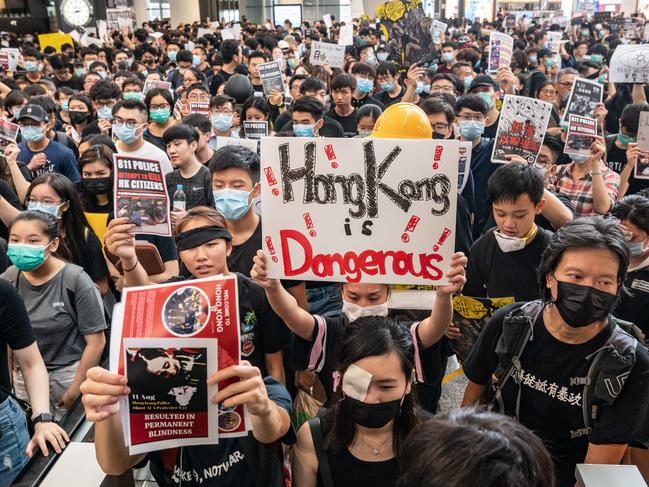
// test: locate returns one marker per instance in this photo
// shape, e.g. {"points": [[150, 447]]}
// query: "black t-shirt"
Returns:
{"points": [[95, 264], [367, 100], [550, 406], [156, 140], [15, 332], [348, 123], [7, 194], [385, 98], [490, 130], [234, 462], [616, 160], [218, 80], [481, 168], [197, 189], [496, 274], [322, 351], [634, 303]]}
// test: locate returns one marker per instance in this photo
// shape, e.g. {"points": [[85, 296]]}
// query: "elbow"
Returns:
{"points": [[562, 219], [109, 468]]}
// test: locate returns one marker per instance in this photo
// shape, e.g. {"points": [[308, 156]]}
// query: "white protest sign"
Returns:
{"points": [[357, 9], [323, 53], [252, 144], [346, 35], [102, 28], [75, 35], [437, 30], [630, 64], [500, 50], [202, 32], [368, 210], [327, 20], [13, 57], [643, 131], [157, 35], [231, 32]]}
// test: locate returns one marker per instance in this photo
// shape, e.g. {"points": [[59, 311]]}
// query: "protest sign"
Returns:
{"points": [[324, 53], [584, 97], [357, 9], [630, 64], [271, 77], [150, 84], [327, 20], [522, 126], [346, 35], [581, 135], [500, 51], [233, 32], [471, 315], [170, 406], [255, 129], [344, 209], [643, 131], [197, 309], [55, 40], [601, 17], [141, 194], [202, 31], [251, 144], [8, 133], [10, 58], [437, 30], [201, 107]]}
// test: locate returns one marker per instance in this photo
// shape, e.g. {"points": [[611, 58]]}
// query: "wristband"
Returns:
{"points": [[137, 261]]}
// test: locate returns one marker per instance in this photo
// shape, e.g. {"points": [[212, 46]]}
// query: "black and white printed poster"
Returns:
{"points": [[581, 135], [271, 77], [584, 97], [255, 129]]}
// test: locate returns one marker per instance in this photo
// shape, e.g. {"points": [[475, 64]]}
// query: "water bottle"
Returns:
{"points": [[179, 199]]}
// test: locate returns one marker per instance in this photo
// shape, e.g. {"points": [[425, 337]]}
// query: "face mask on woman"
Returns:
{"points": [[48, 208], [160, 116], [26, 257], [78, 117], [354, 311], [97, 185]]}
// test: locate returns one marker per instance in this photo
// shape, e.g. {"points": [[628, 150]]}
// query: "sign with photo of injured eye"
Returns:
{"points": [[359, 210]]}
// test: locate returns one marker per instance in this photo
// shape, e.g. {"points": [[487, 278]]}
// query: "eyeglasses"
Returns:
{"points": [[441, 127], [222, 111], [159, 107], [548, 93], [198, 97], [472, 118], [542, 162], [443, 89], [566, 84], [105, 103], [129, 123]]}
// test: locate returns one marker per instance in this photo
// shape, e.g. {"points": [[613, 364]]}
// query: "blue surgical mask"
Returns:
{"points": [[292, 62], [471, 129], [420, 87], [65, 105], [579, 159], [222, 122], [304, 130], [144, 73], [231, 203], [31, 66], [79, 72], [534, 59], [488, 99], [125, 133], [371, 59], [387, 87], [382, 56], [26, 257], [426, 88], [467, 82], [47, 208], [133, 95], [549, 63], [196, 60], [172, 55], [102, 74], [597, 58], [32, 134], [15, 113], [364, 86], [105, 113], [636, 248], [447, 56]]}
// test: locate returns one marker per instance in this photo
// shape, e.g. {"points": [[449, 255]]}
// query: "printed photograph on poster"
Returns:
{"points": [[271, 77], [643, 131], [199, 107], [254, 129], [437, 30], [630, 64], [522, 126], [8, 133], [351, 210], [583, 99], [198, 309], [169, 403], [141, 195], [151, 83], [581, 135], [500, 50], [642, 167]]}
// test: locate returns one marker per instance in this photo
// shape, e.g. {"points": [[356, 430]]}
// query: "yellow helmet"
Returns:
{"points": [[403, 121]]}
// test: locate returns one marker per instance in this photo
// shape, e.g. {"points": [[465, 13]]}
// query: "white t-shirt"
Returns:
{"points": [[149, 151]]}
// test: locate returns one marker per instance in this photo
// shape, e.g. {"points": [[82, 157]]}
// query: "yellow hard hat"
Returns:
{"points": [[403, 121]]}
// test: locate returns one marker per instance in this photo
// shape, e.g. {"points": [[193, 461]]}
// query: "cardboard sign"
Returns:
{"points": [[201, 107], [500, 51], [255, 129], [271, 77], [437, 30], [8, 133], [584, 97], [151, 83], [55, 40], [141, 195], [630, 64], [359, 210], [346, 35], [581, 135], [521, 128], [324, 53]]}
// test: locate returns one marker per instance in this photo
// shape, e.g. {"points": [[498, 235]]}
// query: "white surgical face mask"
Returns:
{"points": [[354, 311], [509, 244]]}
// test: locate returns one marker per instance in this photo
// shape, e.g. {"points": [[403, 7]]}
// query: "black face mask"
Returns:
{"points": [[78, 117], [371, 415], [437, 136], [580, 306], [97, 185]]}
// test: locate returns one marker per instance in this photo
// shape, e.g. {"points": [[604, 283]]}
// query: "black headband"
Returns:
{"points": [[199, 236]]}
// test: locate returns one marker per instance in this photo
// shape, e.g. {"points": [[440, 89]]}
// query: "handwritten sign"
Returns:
{"points": [[324, 53], [346, 35], [359, 209], [630, 64]]}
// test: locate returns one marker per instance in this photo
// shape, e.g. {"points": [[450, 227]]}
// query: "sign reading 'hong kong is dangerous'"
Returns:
{"points": [[370, 210]]}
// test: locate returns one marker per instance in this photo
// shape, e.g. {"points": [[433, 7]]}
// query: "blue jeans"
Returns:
{"points": [[14, 440], [326, 300]]}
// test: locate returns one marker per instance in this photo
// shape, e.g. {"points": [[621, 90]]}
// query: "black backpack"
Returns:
{"points": [[609, 368]]}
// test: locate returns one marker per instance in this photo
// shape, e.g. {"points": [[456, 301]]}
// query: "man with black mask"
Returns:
{"points": [[583, 414]]}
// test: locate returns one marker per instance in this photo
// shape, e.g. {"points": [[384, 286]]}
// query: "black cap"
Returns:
{"points": [[484, 80], [35, 112], [544, 53]]}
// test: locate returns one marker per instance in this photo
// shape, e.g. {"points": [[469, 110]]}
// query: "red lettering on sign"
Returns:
{"points": [[309, 224], [329, 150], [410, 227], [271, 249], [442, 238]]}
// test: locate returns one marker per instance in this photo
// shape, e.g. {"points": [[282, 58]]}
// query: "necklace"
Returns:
{"points": [[375, 449]]}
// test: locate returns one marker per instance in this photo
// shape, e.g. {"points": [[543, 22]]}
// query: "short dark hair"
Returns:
{"points": [[236, 156], [364, 68], [180, 131], [635, 209], [59, 61], [131, 105], [387, 67], [310, 104], [294, 78], [587, 232], [220, 100], [104, 89], [132, 81], [553, 143], [369, 110], [343, 80], [184, 55], [459, 84], [312, 85], [630, 118], [472, 102], [229, 49], [510, 181], [433, 105], [200, 121], [31, 52], [260, 54]]}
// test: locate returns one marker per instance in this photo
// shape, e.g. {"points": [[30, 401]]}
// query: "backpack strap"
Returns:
{"points": [[610, 142], [318, 444]]}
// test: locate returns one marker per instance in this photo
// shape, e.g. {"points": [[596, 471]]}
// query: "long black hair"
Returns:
{"points": [[370, 337]]}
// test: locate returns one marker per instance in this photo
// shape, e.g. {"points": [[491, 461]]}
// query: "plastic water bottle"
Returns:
{"points": [[179, 199]]}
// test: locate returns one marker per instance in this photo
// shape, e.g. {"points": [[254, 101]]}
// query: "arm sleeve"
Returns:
{"points": [[16, 328], [90, 309]]}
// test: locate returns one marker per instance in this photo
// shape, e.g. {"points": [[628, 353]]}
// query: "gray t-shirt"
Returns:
{"points": [[59, 330]]}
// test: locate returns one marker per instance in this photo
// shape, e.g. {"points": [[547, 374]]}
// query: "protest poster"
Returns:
{"points": [[201, 107], [324, 53], [630, 64], [255, 129], [202, 32], [500, 51], [359, 209], [643, 131], [327, 20], [151, 83], [169, 401], [601, 17], [198, 309], [346, 35], [581, 135], [471, 315], [437, 30], [141, 195], [9, 58], [522, 126], [233, 32], [251, 144], [583, 99], [8, 133], [271, 77]]}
